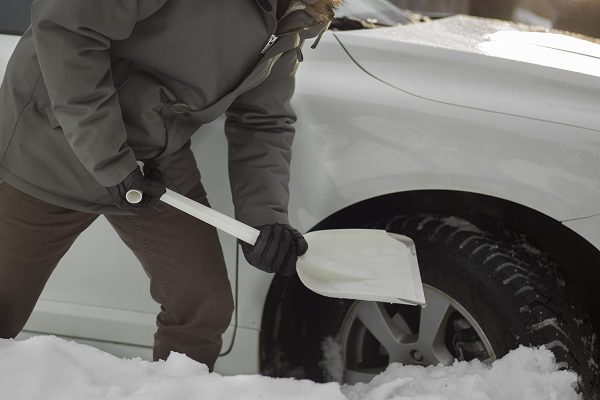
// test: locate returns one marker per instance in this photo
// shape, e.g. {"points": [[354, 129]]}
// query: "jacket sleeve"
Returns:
{"points": [[260, 131], [72, 40]]}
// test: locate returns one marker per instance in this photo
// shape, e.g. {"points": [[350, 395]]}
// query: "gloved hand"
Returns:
{"points": [[151, 184], [276, 250]]}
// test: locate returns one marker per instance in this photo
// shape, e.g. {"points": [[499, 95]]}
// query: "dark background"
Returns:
{"points": [[14, 16]]}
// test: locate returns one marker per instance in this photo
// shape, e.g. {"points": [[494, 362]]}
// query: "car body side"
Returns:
{"points": [[358, 137]]}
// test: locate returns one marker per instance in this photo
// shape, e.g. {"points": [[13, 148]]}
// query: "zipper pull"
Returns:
{"points": [[269, 44], [299, 54]]}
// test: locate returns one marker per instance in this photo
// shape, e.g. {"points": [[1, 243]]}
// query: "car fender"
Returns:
{"points": [[358, 138]]}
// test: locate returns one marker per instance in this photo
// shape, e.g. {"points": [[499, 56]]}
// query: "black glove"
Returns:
{"points": [[276, 250], [151, 184]]}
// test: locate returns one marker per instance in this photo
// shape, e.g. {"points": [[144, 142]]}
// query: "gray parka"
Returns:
{"points": [[95, 85]]}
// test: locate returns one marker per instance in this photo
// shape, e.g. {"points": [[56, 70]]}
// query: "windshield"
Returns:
{"points": [[380, 11], [579, 16]]}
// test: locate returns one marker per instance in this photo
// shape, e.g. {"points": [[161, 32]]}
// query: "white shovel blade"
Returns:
{"points": [[362, 264]]}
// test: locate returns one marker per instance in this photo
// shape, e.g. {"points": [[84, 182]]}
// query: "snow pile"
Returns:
{"points": [[50, 368], [524, 374], [332, 364]]}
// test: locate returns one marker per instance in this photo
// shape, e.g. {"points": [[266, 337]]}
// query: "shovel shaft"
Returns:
{"points": [[221, 221], [393, 279]]}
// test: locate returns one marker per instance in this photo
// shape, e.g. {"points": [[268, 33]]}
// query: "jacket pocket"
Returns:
{"points": [[142, 97]]}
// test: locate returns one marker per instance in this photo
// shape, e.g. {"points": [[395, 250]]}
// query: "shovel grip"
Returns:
{"points": [[227, 224], [134, 196]]}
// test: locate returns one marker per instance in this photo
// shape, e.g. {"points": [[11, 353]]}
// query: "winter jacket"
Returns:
{"points": [[95, 85]]}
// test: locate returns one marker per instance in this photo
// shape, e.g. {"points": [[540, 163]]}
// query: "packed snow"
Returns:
{"points": [[50, 368]]}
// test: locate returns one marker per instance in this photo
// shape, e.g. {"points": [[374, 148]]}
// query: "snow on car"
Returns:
{"points": [[479, 139]]}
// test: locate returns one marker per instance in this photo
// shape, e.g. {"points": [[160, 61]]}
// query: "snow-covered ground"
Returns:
{"points": [[49, 368]]}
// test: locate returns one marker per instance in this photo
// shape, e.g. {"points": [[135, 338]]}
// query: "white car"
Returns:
{"points": [[480, 139]]}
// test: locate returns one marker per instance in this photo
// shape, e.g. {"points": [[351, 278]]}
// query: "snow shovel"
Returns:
{"points": [[360, 264]]}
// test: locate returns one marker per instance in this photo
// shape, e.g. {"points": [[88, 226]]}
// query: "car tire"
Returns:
{"points": [[502, 293]]}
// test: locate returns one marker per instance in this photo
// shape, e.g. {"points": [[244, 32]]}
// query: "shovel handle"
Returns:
{"points": [[227, 224], [134, 196]]}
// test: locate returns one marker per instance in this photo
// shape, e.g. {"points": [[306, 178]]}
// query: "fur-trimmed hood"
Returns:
{"points": [[320, 10]]}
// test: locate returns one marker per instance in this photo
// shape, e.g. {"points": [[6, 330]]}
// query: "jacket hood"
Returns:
{"points": [[321, 10]]}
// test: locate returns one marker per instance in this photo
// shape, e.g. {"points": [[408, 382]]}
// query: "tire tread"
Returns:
{"points": [[547, 307]]}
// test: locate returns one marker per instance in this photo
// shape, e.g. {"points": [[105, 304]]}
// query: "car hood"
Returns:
{"points": [[487, 64]]}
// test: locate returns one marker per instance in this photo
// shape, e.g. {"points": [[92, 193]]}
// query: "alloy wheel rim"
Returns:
{"points": [[372, 335]]}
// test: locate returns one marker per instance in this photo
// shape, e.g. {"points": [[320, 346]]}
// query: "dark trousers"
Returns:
{"points": [[181, 255]]}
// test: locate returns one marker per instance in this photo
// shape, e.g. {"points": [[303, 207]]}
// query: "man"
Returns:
{"points": [[93, 88]]}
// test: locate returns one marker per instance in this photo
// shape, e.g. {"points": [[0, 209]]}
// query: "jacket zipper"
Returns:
{"points": [[253, 62], [256, 59], [269, 44]]}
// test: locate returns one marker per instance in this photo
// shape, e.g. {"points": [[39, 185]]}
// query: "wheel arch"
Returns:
{"points": [[284, 325]]}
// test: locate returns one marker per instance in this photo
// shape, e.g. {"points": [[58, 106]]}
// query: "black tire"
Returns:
{"points": [[512, 290]]}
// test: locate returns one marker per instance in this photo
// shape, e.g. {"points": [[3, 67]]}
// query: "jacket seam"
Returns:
{"points": [[12, 135]]}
